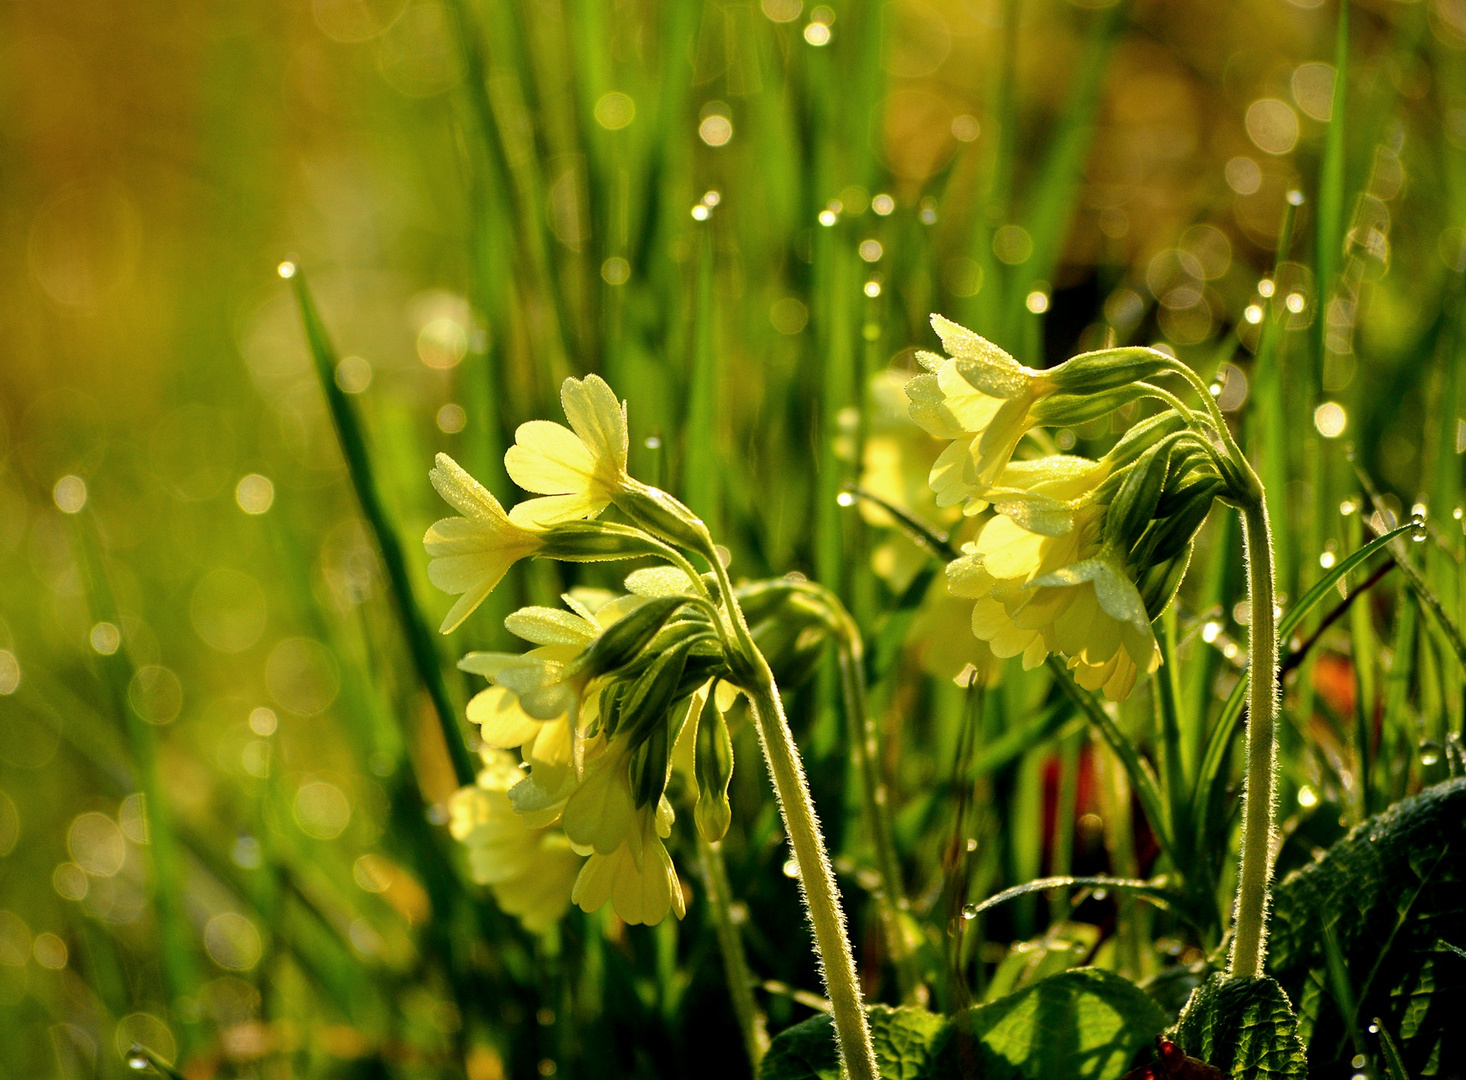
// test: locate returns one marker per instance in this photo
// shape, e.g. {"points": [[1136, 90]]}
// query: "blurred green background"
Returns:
{"points": [[738, 212]]}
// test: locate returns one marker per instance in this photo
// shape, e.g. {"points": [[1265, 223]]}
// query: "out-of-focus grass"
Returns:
{"points": [[737, 213]]}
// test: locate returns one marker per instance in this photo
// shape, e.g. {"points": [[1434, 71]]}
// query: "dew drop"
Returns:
{"points": [[137, 1058], [1417, 527], [969, 912]]}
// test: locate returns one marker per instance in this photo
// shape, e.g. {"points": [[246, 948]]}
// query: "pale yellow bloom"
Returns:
{"points": [[471, 554], [531, 871], [541, 699], [637, 876], [982, 399], [1043, 582], [578, 470], [628, 864]]}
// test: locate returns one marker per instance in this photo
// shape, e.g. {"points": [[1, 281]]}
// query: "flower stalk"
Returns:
{"points": [[1249, 941], [751, 1022], [816, 877]]}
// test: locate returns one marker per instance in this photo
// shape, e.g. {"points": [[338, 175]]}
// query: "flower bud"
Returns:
{"points": [[714, 767], [1107, 369], [649, 766], [1142, 436], [1133, 506], [622, 641], [1170, 535], [663, 516], [650, 698], [1159, 583]]}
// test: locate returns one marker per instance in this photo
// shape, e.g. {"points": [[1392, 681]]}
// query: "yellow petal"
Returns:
{"points": [[548, 459], [601, 814], [551, 626], [599, 419], [463, 492], [501, 722]]}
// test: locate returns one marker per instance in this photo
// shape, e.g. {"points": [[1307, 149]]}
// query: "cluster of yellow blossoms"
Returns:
{"points": [[614, 688], [1077, 556], [1071, 557]]}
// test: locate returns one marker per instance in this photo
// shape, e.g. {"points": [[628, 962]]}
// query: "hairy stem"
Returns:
{"points": [[816, 877], [1249, 941], [751, 1021]]}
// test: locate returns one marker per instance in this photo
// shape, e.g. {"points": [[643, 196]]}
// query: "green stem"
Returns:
{"points": [[1249, 942], [735, 963], [816, 876]]}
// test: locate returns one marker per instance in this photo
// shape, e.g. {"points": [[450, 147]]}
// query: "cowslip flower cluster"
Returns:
{"points": [[1075, 557], [615, 693]]}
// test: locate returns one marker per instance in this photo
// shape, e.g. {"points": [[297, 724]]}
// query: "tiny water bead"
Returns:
{"points": [[255, 494], [716, 130], [873, 288], [105, 638], [616, 270], [137, 1059], [1330, 419], [845, 498], [452, 419], [286, 269], [615, 110], [70, 494], [701, 212], [828, 217], [969, 912], [1307, 797]]}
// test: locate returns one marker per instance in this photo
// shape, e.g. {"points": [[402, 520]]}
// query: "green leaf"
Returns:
{"points": [[1245, 1027], [1390, 892], [1085, 1024], [903, 1041]]}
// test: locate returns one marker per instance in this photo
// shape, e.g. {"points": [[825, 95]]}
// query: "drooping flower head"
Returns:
{"points": [[1045, 581], [577, 470], [980, 398], [472, 553]]}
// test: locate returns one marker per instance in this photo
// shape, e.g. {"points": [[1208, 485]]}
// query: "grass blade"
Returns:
{"points": [[358, 461]]}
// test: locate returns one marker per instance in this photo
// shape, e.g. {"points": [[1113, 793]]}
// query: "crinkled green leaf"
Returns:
{"points": [[903, 1041], [1245, 1027], [1392, 892], [1085, 1024]]}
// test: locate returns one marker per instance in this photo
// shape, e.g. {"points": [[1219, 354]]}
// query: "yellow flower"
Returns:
{"points": [[628, 863], [531, 871], [637, 875], [1044, 583], [542, 701], [982, 399], [577, 470], [471, 554]]}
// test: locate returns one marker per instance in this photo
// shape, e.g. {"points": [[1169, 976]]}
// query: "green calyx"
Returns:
{"points": [[596, 541], [1107, 370], [714, 768]]}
